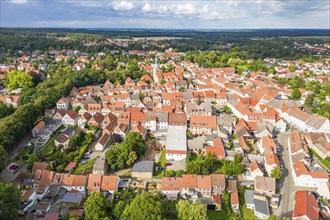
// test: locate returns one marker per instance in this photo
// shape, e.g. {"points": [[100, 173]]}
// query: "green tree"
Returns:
{"points": [[296, 94], [119, 209], [9, 201], [227, 109], [137, 142], [170, 173], [6, 110], [146, 206], [3, 158], [309, 100], [96, 206], [276, 173], [18, 79], [272, 217], [162, 81], [188, 211], [179, 173]]}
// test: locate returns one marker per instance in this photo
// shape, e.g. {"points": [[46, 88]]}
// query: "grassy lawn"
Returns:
{"points": [[82, 168], [214, 215], [48, 148], [248, 213]]}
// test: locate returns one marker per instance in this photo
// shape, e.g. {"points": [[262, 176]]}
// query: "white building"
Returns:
{"points": [[176, 144], [303, 177]]}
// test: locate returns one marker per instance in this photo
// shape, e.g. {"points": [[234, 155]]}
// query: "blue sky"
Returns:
{"points": [[216, 14]]}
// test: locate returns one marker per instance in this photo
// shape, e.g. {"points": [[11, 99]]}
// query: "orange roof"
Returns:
{"points": [[218, 150], [254, 165], [271, 158], [189, 181], [234, 197], [94, 183], [305, 205], [109, 183], [203, 121], [204, 182], [172, 183], [300, 168], [319, 175], [40, 125]]}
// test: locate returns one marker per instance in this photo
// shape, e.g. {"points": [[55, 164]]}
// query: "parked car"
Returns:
{"points": [[82, 162], [85, 157], [13, 166], [88, 152]]}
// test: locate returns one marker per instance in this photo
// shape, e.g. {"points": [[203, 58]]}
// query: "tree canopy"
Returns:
{"points": [[126, 153], [296, 94], [18, 79], [276, 173], [146, 206], [9, 201], [96, 206], [188, 211]]}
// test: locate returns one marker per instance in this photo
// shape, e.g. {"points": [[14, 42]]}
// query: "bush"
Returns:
{"points": [[179, 173]]}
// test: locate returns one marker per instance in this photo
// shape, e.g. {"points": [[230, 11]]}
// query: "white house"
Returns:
{"points": [[102, 143], [324, 190], [70, 118], [303, 177], [63, 104], [156, 120]]}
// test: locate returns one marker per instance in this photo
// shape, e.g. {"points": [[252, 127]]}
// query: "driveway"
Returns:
{"points": [[8, 176]]}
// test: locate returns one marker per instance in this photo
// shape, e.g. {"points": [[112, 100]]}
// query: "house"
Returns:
{"points": [[42, 180], [100, 166], [217, 149], [266, 145], [156, 120], [38, 129], [39, 166], [234, 201], [121, 130], [189, 184], [204, 185], [255, 170], [102, 142], [271, 161], [303, 177], [74, 182], [305, 206], [319, 142], [203, 124], [308, 123], [261, 207], [72, 198], [62, 141], [69, 168], [216, 199], [143, 169], [109, 184], [63, 104], [203, 108], [94, 183], [70, 118], [139, 129], [265, 185], [177, 120], [249, 199], [171, 186], [176, 144], [218, 182]]}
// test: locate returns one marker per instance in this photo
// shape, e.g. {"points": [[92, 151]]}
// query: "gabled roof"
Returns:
{"points": [[305, 205]]}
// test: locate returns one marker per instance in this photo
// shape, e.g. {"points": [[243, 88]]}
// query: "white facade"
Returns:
{"points": [[67, 120]]}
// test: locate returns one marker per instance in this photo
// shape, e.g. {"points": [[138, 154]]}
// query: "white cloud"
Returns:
{"points": [[19, 1], [122, 5]]}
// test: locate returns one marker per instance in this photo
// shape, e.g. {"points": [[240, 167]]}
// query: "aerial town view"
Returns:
{"points": [[150, 110]]}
